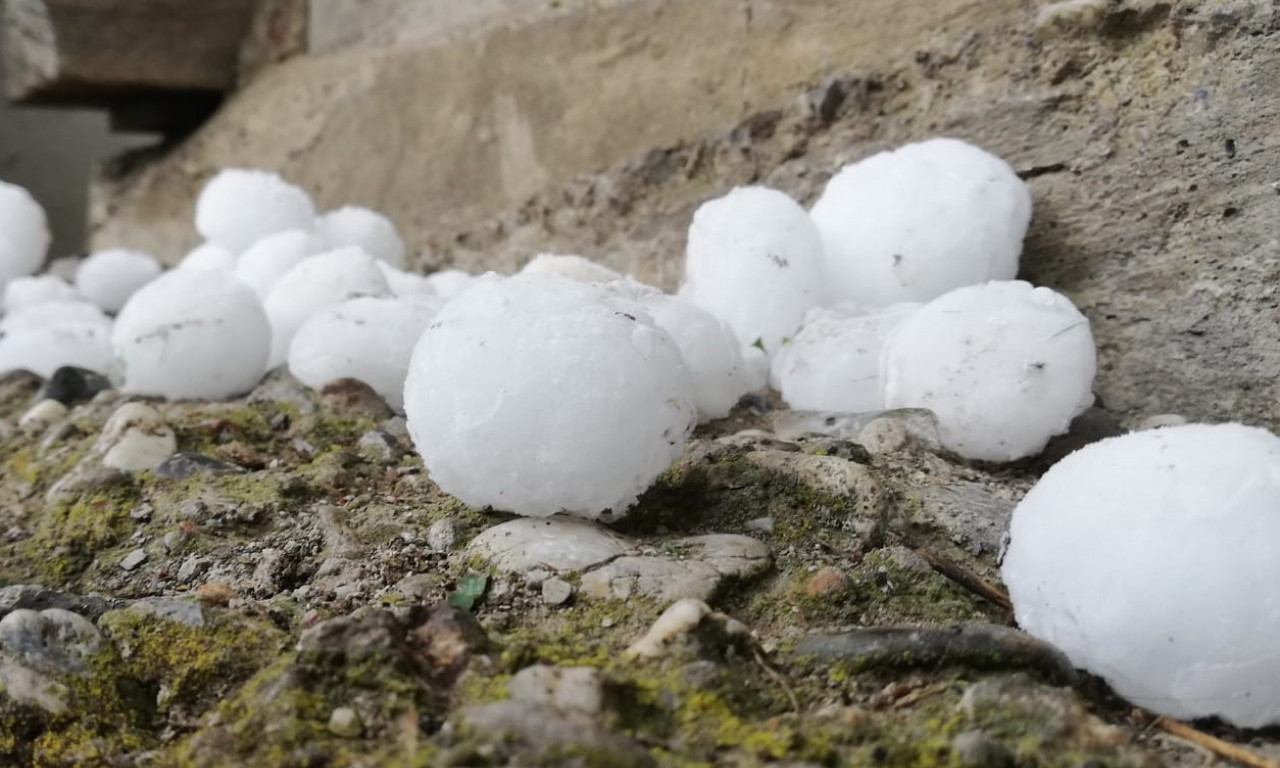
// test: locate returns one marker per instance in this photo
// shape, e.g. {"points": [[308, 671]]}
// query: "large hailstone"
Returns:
{"points": [[238, 207], [570, 266], [754, 260], [190, 335], [108, 278], [710, 350], [44, 337], [316, 283], [24, 233], [450, 282], [370, 230], [404, 283], [833, 363], [1005, 366], [914, 223], [52, 313], [538, 395], [208, 256], [266, 260], [26, 292], [1149, 559], [369, 339]]}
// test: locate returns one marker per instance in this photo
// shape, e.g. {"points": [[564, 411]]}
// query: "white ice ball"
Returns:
{"points": [[44, 347], [266, 260], [450, 282], [539, 395], [833, 363], [370, 230], [1005, 367], [754, 260], [25, 292], [321, 281], [238, 207], [404, 283], [369, 339], [208, 256], [710, 350], [570, 266], [53, 313], [192, 334], [24, 233], [108, 278], [1149, 559], [914, 223]]}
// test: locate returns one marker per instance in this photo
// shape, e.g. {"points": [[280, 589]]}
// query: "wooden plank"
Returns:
{"points": [[90, 52]]}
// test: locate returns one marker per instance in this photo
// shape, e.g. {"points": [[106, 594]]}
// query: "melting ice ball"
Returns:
{"points": [[538, 395], [914, 223], [369, 339], [370, 230], [192, 334], [403, 283], [754, 260], [208, 256], [47, 336], [570, 266], [1005, 366], [450, 282], [709, 348], [833, 363], [108, 278], [26, 292], [321, 281], [266, 260], [238, 207], [24, 233], [1149, 559]]}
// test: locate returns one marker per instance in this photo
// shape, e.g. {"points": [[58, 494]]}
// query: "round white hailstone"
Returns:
{"points": [[209, 256], [572, 267], [833, 363], [353, 225], [539, 394], [192, 334], [238, 207], [369, 339], [44, 348], [54, 313], [757, 367], [406, 283], [450, 282], [914, 223], [321, 281], [24, 233], [108, 278], [754, 260], [1003, 365], [26, 292], [710, 350], [266, 260], [1149, 559]]}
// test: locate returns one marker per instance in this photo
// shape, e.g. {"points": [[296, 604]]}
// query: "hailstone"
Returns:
{"points": [[108, 278], [572, 267], [914, 223], [1149, 559], [754, 260], [26, 292], [266, 260], [710, 350], [192, 334], [833, 363], [540, 394], [24, 233], [321, 281], [370, 230], [1005, 366], [369, 339], [53, 313], [43, 348], [404, 283], [450, 282], [238, 207], [208, 256]]}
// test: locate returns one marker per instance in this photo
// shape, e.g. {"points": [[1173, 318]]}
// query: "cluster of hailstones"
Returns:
{"points": [[568, 387]]}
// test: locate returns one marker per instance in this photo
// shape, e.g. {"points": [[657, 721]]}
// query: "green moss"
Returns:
{"points": [[70, 534]]}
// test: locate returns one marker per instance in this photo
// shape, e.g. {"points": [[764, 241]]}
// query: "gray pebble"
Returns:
{"points": [[134, 559], [556, 591]]}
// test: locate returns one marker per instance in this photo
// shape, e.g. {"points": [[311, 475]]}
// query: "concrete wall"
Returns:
{"points": [[342, 24]]}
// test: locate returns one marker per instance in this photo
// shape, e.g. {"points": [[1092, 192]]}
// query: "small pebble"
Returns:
{"points": [[761, 524], [556, 591], [215, 593], [70, 385], [442, 535], [39, 416], [377, 446], [345, 723], [828, 580], [134, 559], [141, 513]]}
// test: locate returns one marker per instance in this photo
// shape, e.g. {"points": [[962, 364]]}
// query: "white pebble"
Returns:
{"points": [[370, 230], [368, 339], [25, 292], [539, 395], [321, 281], [208, 256], [754, 259], [108, 278], [1149, 559], [1005, 367], [24, 233], [914, 223], [238, 207], [266, 260], [192, 334], [709, 349], [833, 363], [572, 267]]}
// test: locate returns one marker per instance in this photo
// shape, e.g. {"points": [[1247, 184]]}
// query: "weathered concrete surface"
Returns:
{"points": [[339, 24]]}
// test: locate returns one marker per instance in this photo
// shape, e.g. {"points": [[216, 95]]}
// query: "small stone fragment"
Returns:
{"points": [[183, 465], [556, 591], [577, 689], [135, 438], [52, 640], [442, 535], [215, 593], [134, 559], [679, 619], [70, 385], [828, 580], [171, 609], [377, 446], [345, 723], [567, 545], [40, 416]]}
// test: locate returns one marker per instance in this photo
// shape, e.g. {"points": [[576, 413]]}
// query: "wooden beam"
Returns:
{"points": [[92, 52]]}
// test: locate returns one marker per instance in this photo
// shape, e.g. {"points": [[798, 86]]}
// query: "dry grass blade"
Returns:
{"points": [[967, 579], [1223, 749], [777, 678]]}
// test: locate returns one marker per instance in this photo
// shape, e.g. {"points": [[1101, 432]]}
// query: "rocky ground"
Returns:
{"points": [[287, 587]]}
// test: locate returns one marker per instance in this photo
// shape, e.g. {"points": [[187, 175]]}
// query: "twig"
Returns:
{"points": [[967, 579], [777, 678], [1223, 749]]}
